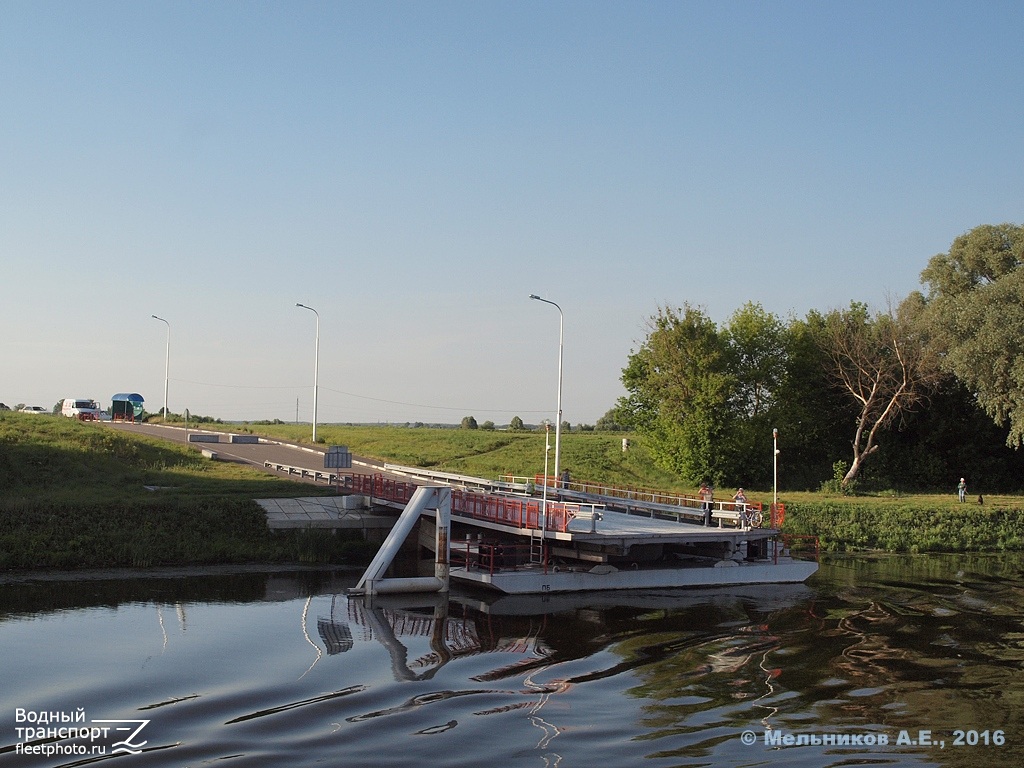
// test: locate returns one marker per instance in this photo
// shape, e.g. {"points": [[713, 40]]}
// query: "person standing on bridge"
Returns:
{"points": [[740, 503], [707, 496]]}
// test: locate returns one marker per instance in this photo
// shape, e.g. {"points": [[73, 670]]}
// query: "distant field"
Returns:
{"points": [[487, 453]]}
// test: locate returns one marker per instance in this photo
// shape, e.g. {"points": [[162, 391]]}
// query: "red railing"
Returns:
{"points": [[504, 510], [488, 556], [644, 495]]}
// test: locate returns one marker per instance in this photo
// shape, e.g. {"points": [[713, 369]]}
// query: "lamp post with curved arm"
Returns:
{"points": [[167, 363], [558, 422], [316, 363]]}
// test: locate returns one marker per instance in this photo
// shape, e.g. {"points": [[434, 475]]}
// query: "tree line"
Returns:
{"points": [[910, 397]]}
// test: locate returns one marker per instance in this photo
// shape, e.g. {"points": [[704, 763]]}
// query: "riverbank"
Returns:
{"points": [[850, 526], [82, 495]]}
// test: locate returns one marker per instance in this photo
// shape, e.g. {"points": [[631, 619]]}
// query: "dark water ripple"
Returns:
{"points": [[283, 670]]}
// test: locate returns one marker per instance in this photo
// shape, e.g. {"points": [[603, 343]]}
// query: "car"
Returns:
{"points": [[33, 409]]}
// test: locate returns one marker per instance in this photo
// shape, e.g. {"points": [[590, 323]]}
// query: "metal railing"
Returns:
{"points": [[520, 512], [488, 556], [689, 504]]}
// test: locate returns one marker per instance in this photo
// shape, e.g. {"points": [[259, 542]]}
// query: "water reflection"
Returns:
{"points": [[285, 669]]}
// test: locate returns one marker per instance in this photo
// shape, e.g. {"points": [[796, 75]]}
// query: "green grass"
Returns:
{"points": [[70, 491], [74, 495], [594, 456], [54, 460], [886, 520]]}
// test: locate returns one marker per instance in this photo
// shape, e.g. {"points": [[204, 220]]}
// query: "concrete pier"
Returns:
{"points": [[340, 512]]}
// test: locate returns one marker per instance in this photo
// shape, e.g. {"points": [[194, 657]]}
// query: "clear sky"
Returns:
{"points": [[414, 170]]}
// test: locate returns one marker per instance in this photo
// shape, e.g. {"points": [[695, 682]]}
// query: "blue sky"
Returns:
{"points": [[415, 170]]}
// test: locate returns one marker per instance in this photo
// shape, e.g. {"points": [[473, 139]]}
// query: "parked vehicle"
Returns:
{"points": [[81, 408], [33, 409]]}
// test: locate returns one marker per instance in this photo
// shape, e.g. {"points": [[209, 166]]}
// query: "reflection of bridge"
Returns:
{"points": [[449, 637], [458, 635]]}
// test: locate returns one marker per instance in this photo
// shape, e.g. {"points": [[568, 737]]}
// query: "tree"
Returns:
{"points": [[975, 315], [810, 412], [516, 425], [678, 390], [756, 350], [757, 357], [610, 422], [468, 422], [883, 363]]}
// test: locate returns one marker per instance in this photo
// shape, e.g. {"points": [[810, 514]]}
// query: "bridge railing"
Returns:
{"points": [[525, 512], [515, 512], [691, 503]]}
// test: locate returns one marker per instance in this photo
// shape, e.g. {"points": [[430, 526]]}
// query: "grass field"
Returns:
{"points": [[55, 460], [63, 481], [77, 495], [593, 456]]}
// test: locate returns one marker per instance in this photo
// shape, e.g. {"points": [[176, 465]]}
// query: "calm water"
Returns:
{"points": [[283, 670]]}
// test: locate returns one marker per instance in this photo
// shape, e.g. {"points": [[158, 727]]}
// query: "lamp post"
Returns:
{"points": [[558, 423], [316, 362], [544, 492], [775, 467], [167, 363]]}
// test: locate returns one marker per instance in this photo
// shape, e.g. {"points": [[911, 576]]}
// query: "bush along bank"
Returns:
{"points": [[162, 532], [848, 527]]}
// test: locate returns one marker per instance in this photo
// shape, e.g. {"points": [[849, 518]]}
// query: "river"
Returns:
{"points": [[886, 660]]}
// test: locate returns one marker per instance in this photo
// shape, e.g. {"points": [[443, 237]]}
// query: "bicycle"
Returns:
{"points": [[750, 518]]}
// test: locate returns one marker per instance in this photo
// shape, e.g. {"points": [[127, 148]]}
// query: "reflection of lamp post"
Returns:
{"points": [[316, 362], [167, 361], [558, 423]]}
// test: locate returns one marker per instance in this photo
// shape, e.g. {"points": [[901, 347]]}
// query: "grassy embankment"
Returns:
{"points": [[74, 494], [885, 521]]}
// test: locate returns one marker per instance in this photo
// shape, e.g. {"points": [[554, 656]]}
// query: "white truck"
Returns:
{"points": [[80, 408]]}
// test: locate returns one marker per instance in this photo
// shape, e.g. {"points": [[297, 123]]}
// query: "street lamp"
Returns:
{"points": [[775, 467], [558, 423], [167, 363], [316, 362], [544, 493]]}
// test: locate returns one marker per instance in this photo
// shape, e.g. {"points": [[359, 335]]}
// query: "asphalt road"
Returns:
{"points": [[254, 454]]}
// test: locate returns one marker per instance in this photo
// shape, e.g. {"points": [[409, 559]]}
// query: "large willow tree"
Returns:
{"points": [[975, 314]]}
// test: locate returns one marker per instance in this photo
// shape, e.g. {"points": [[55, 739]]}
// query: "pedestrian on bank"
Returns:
{"points": [[962, 490]]}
